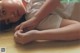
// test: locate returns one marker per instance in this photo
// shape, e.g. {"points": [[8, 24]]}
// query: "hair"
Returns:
{"points": [[4, 26]]}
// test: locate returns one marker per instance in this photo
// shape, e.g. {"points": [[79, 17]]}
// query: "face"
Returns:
{"points": [[11, 10]]}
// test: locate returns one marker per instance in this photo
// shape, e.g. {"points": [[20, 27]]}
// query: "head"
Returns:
{"points": [[11, 10]]}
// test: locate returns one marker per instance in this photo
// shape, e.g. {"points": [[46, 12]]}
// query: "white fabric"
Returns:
{"points": [[53, 20], [71, 11]]}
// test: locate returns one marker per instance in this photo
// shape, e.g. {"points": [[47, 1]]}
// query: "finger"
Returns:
{"points": [[23, 25], [24, 28], [17, 28], [19, 33], [15, 34], [17, 38]]}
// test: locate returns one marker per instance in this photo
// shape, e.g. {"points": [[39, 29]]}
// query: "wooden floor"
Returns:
{"points": [[7, 41]]}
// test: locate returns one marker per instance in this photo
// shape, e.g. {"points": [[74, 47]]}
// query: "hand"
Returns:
{"points": [[26, 37], [27, 25]]}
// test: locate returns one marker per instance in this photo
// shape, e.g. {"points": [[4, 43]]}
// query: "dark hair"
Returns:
{"points": [[4, 26]]}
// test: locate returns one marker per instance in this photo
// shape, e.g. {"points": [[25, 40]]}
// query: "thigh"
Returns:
{"points": [[66, 22]]}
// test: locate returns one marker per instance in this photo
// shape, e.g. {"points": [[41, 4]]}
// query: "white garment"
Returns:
{"points": [[71, 11], [54, 19]]}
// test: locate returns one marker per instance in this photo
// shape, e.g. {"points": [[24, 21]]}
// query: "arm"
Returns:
{"points": [[47, 7], [70, 30]]}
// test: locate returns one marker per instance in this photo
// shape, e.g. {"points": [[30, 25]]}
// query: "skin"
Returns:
{"points": [[46, 8], [69, 29], [11, 10]]}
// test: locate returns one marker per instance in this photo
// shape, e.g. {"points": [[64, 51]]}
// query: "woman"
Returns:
{"points": [[64, 29], [43, 20], [12, 12]]}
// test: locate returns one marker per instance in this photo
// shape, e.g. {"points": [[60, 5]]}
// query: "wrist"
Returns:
{"points": [[35, 35], [36, 19]]}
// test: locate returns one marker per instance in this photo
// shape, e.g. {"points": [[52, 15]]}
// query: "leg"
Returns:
{"points": [[69, 30]]}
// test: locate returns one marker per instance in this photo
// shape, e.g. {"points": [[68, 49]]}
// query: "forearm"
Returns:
{"points": [[71, 32], [46, 8]]}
